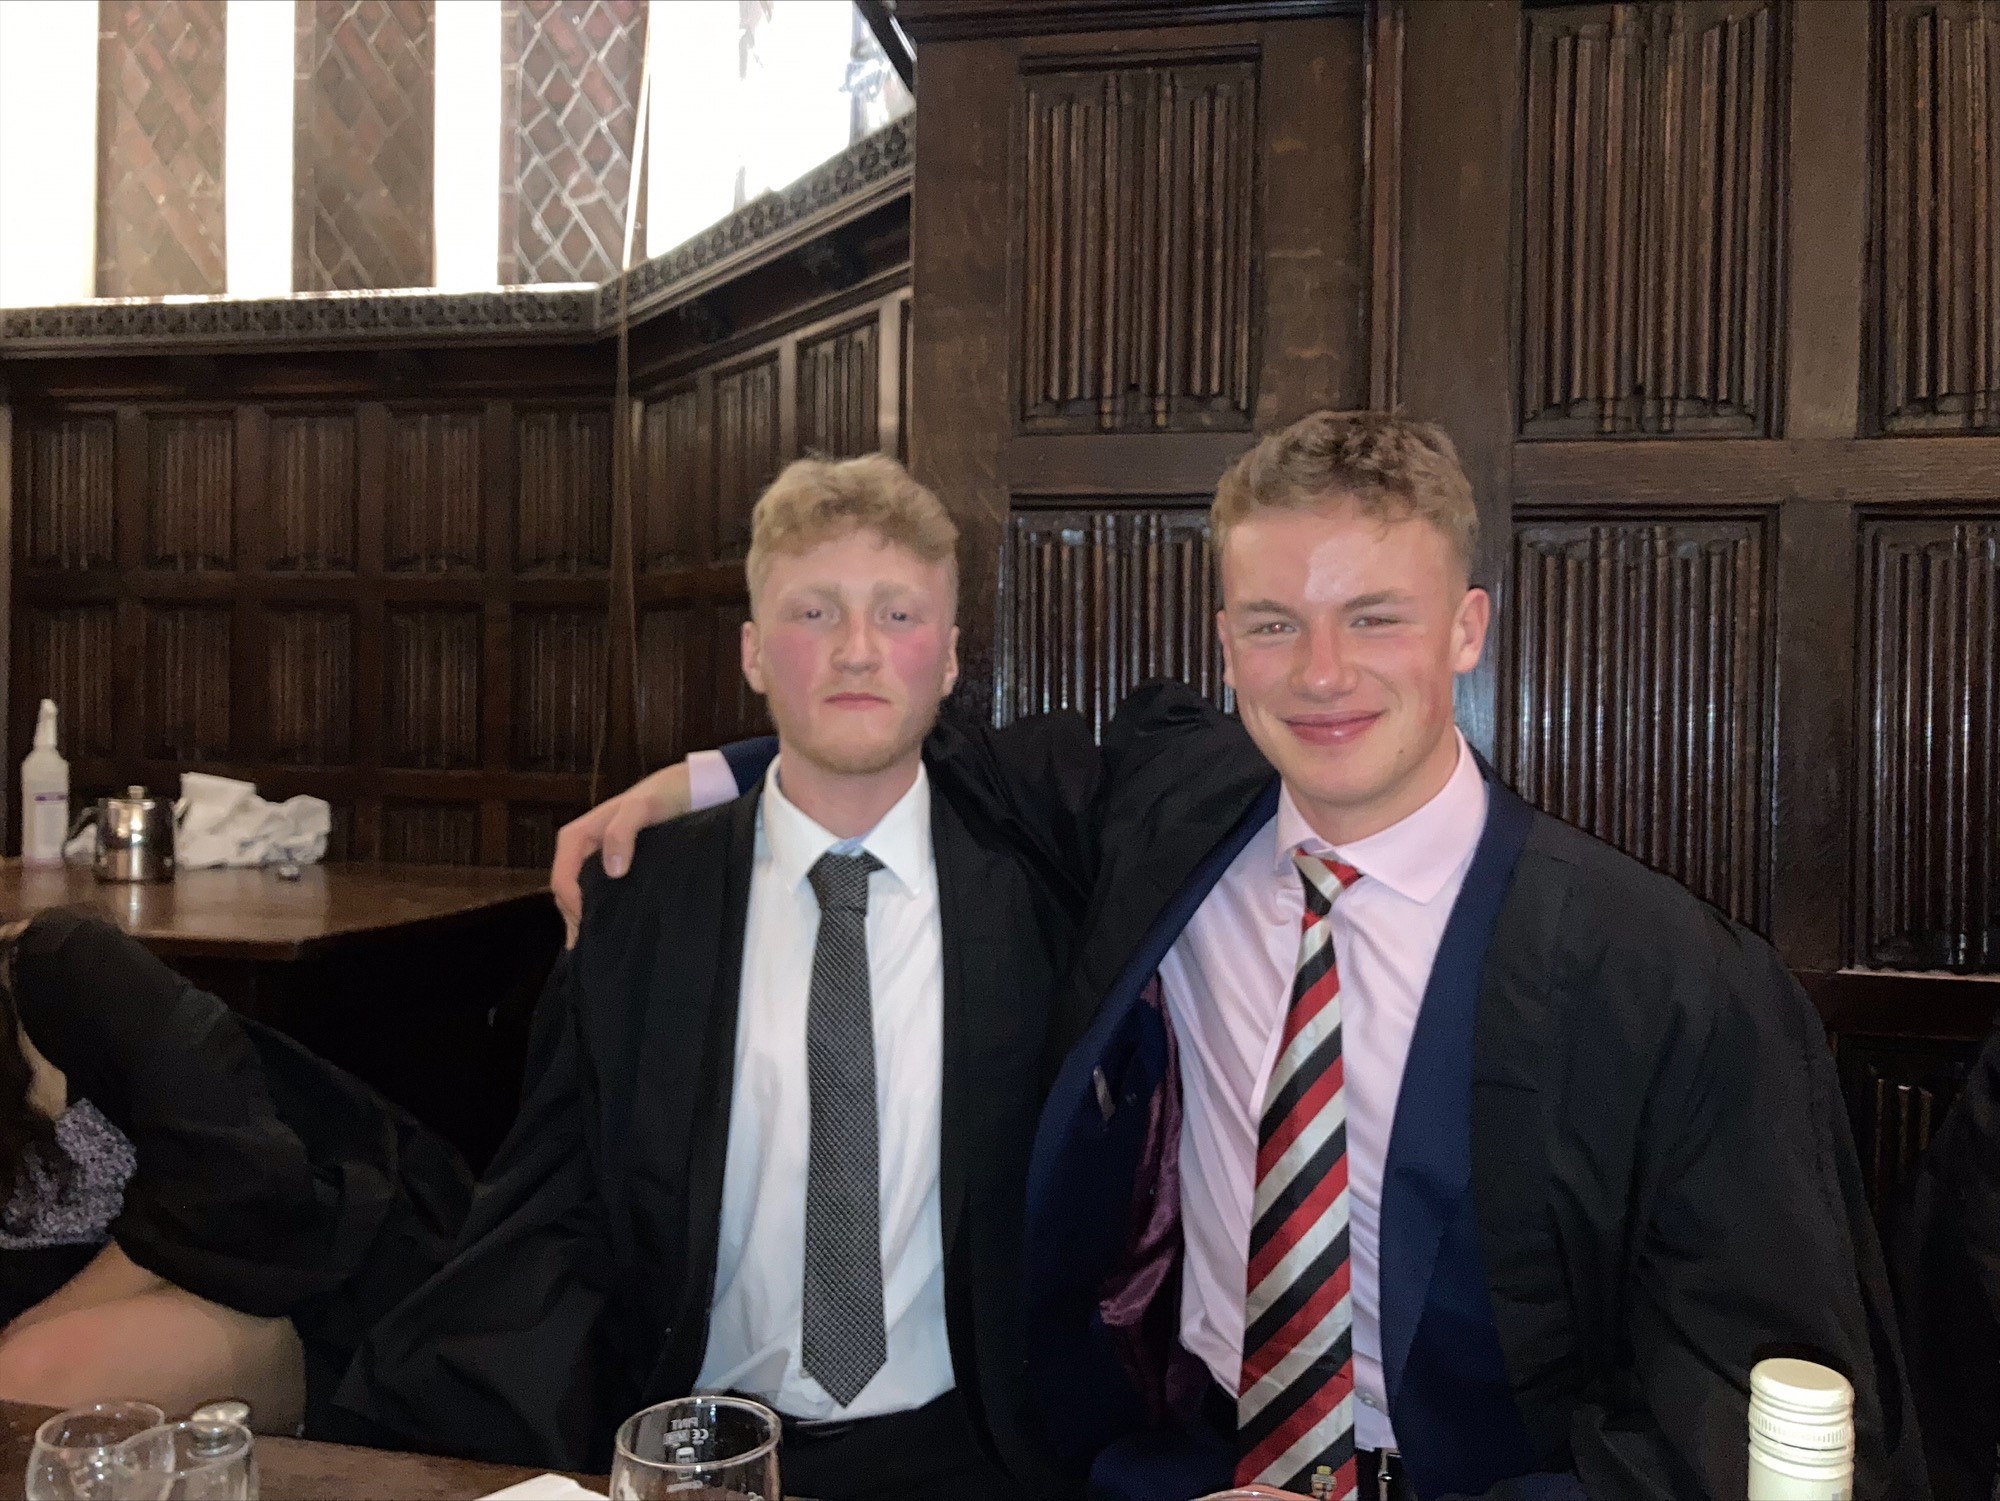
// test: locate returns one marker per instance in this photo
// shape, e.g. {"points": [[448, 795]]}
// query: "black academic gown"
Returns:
{"points": [[1944, 1246], [268, 1180], [1662, 1185], [582, 1284]]}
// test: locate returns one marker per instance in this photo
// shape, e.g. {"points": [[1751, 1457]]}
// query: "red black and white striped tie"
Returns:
{"points": [[1295, 1403]]}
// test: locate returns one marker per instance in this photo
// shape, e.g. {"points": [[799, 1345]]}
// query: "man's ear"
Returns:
{"points": [[950, 664], [1228, 659], [753, 669], [1468, 631]]}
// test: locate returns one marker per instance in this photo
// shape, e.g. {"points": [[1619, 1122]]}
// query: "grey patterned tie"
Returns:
{"points": [[843, 1342]]}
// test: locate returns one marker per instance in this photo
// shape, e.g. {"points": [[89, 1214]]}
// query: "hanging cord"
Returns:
{"points": [[624, 586]]}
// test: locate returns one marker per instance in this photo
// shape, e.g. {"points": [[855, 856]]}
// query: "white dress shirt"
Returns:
{"points": [[754, 1320], [1227, 982]]}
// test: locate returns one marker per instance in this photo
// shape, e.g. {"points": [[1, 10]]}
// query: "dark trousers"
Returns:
{"points": [[929, 1454]]}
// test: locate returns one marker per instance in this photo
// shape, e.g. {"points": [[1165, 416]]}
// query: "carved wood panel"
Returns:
{"points": [[1652, 217], [71, 504], [159, 148], [905, 335], [310, 492], [559, 677], [840, 391], [363, 145], [746, 449], [184, 683], [569, 101], [738, 712], [311, 685], [1639, 695], [674, 518], [190, 493], [562, 522], [671, 648], [431, 833], [1097, 601], [431, 661], [66, 654], [432, 512], [1928, 856], [1898, 1093], [1136, 244], [531, 833], [1937, 200]]}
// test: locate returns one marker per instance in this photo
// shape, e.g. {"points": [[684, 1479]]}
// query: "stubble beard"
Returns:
{"points": [[869, 760]]}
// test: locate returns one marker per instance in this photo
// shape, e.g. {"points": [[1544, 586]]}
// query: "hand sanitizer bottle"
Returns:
{"points": [[44, 795]]}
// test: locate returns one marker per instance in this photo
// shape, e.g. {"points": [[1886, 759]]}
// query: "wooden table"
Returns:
{"points": [[258, 915], [297, 1470], [418, 978]]}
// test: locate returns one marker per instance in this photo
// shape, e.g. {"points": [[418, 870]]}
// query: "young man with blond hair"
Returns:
{"points": [[1408, 1142], [774, 1134]]}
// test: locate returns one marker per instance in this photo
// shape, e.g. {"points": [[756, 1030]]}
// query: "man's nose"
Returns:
{"points": [[1323, 665], [856, 647]]}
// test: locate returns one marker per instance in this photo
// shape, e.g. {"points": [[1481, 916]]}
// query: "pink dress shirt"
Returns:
{"points": [[1227, 980]]}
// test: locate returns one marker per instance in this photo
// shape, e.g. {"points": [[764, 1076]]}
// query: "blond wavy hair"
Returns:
{"points": [[1390, 467], [819, 500]]}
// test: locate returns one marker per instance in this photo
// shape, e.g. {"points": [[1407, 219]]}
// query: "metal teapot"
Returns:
{"points": [[135, 837]]}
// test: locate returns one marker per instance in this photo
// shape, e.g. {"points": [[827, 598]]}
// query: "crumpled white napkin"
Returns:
{"points": [[222, 821], [544, 1488]]}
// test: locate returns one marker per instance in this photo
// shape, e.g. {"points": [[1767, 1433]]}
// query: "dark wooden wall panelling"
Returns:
{"points": [[1641, 651], [1937, 232], [1928, 861], [1760, 652], [569, 102], [1126, 272], [1651, 217], [365, 122], [1665, 271], [1139, 186], [159, 147], [1098, 601], [1898, 1094], [397, 601]]}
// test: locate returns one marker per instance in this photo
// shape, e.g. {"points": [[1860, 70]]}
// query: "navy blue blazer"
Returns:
{"points": [[1444, 1371]]}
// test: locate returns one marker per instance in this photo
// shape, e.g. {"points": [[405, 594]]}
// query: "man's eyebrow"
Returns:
{"points": [[1379, 597], [813, 591], [1266, 606]]}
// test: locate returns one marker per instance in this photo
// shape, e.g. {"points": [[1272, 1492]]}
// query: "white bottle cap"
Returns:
{"points": [[1796, 1404], [45, 726]]}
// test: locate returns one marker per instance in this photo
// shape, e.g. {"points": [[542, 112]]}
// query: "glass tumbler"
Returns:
{"points": [[82, 1454], [698, 1449]]}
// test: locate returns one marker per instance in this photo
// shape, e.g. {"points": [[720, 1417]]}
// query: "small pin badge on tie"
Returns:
{"points": [[1322, 1483]]}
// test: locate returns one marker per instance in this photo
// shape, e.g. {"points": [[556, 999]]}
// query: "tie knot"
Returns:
{"points": [[840, 882], [1325, 878]]}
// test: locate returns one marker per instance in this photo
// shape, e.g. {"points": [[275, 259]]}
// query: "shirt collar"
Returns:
{"points": [[1414, 857], [901, 841]]}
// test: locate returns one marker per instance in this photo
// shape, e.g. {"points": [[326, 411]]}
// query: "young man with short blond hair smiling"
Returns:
{"points": [[1408, 1141]]}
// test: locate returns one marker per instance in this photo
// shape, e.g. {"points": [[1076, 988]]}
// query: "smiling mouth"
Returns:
{"points": [[1331, 729]]}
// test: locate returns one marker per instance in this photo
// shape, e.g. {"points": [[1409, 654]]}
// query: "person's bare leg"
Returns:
{"points": [[169, 1348]]}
